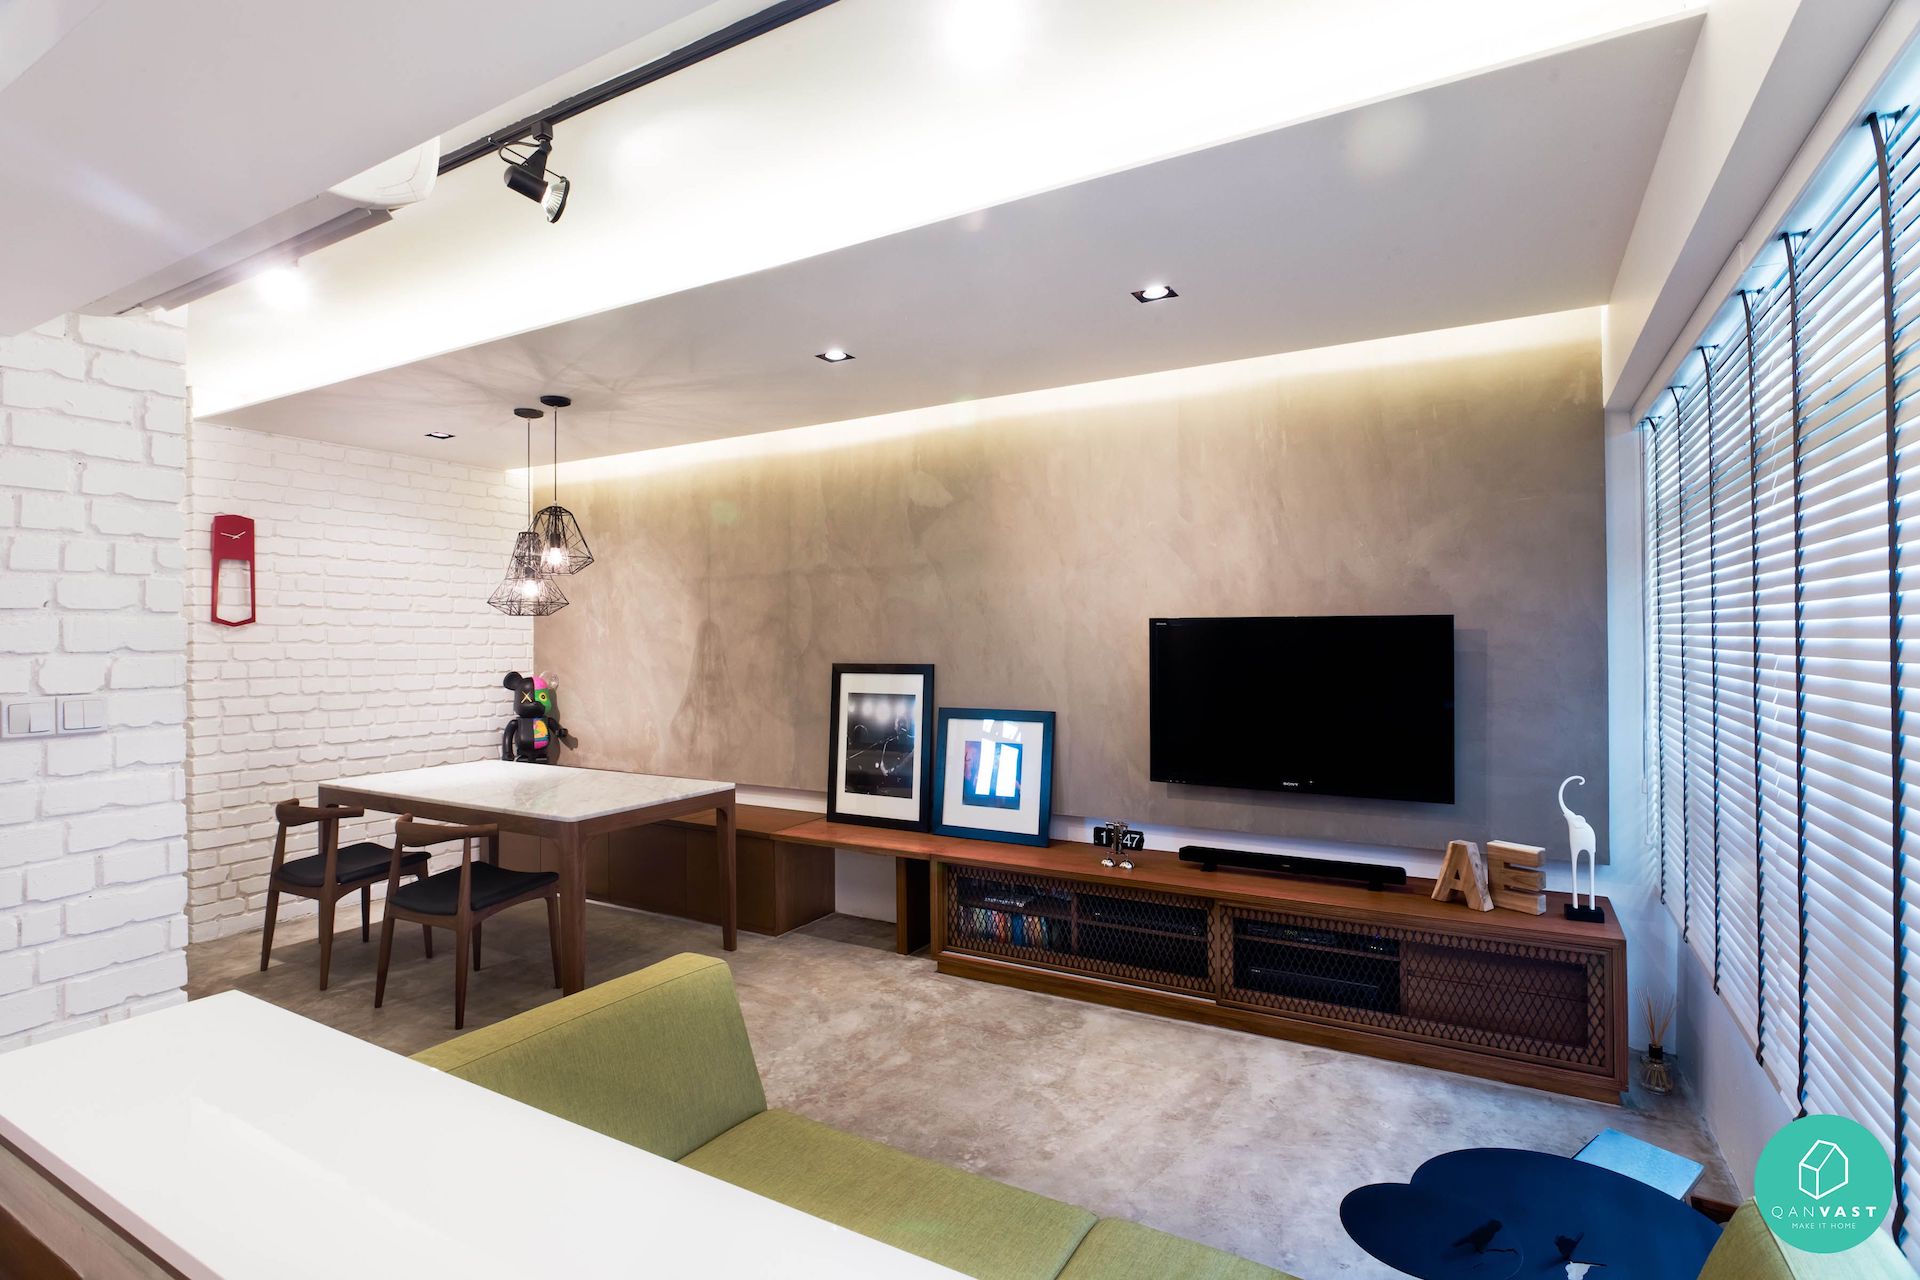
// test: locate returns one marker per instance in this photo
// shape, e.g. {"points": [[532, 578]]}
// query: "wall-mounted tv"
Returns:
{"points": [[1344, 706]]}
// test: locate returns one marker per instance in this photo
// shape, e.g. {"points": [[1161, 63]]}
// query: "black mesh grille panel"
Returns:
{"points": [[1521, 999], [1155, 939]]}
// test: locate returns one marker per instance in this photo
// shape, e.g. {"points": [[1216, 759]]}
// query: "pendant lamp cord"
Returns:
{"points": [[556, 455]]}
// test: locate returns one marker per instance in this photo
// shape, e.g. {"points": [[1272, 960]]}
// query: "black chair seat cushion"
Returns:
{"points": [[356, 862], [439, 895]]}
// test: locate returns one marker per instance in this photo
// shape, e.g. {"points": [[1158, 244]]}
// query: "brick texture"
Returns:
{"points": [[93, 849], [374, 649]]}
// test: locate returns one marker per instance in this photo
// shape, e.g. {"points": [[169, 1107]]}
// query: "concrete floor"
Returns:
{"points": [[1236, 1140]]}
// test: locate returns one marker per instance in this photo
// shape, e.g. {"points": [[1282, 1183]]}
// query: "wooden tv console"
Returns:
{"points": [[1533, 1000]]}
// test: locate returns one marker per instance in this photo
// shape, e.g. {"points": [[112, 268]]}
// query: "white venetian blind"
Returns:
{"points": [[1700, 737], [1733, 943], [1778, 697], [1904, 215], [1846, 706], [1777, 857]]}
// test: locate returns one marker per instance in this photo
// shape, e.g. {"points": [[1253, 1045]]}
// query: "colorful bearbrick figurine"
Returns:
{"points": [[529, 736]]}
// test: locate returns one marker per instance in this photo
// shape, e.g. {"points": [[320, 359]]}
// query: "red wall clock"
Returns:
{"points": [[233, 540]]}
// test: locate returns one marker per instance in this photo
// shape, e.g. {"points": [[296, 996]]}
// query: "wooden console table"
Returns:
{"points": [[785, 858], [1533, 1000], [672, 867]]}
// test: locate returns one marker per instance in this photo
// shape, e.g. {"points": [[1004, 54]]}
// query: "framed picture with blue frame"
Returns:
{"points": [[993, 775]]}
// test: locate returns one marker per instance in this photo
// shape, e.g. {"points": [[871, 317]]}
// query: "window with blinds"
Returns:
{"points": [[1777, 467]]}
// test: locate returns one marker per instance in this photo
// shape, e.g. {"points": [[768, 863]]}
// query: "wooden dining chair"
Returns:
{"points": [[460, 899], [327, 875]]}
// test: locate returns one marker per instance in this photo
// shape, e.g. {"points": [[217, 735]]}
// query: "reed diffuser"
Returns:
{"points": [[1654, 1071]]}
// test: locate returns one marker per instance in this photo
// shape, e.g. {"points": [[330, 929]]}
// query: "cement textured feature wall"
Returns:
{"points": [[1022, 545]]}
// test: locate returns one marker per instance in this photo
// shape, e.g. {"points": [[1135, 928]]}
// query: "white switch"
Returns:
{"points": [[25, 719], [83, 715]]}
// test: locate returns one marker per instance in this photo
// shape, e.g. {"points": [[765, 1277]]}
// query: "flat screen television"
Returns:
{"points": [[1342, 706]]}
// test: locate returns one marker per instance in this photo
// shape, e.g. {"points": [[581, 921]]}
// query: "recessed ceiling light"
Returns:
{"points": [[281, 286], [834, 355], [1155, 293], [439, 435], [986, 35]]}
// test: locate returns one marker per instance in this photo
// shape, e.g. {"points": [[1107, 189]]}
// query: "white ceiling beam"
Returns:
{"points": [[1762, 74], [141, 132]]}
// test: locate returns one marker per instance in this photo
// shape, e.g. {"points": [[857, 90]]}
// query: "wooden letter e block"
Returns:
{"points": [[1515, 877]]}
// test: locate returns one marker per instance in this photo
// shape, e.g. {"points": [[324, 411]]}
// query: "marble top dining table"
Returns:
{"points": [[558, 802]]}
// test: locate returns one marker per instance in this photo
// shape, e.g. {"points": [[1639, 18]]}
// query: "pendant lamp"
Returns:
{"points": [[563, 548], [527, 590]]}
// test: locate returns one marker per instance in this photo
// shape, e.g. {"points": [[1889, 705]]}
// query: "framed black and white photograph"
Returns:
{"points": [[879, 755], [993, 779]]}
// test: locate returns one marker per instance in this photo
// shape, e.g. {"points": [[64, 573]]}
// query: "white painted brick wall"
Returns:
{"points": [[374, 649], [93, 851]]}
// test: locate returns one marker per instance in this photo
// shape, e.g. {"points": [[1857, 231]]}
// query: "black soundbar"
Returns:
{"points": [[1374, 875]]}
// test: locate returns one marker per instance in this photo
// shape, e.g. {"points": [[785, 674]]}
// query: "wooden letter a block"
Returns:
{"points": [[1464, 872], [1515, 877]]}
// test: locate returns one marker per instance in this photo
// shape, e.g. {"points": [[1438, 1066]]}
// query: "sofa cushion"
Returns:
{"points": [[659, 1058], [1120, 1250], [1747, 1250], [972, 1224]]}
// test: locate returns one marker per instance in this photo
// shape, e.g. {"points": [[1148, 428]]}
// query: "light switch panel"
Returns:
{"points": [[83, 715], [27, 719]]}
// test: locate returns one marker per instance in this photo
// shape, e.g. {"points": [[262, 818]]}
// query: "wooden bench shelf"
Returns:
{"points": [[1533, 1000]]}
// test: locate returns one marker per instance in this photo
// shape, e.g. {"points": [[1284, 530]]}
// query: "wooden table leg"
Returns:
{"points": [[723, 831], [573, 912]]}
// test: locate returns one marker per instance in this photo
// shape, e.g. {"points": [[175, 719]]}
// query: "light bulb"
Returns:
{"points": [[1155, 292], [530, 588], [556, 557], [281, 286]]}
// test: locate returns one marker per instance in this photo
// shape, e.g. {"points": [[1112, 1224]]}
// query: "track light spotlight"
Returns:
{"points": [[527, 173]]}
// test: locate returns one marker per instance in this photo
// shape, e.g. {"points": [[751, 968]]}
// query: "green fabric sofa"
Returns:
{"points": [[660, 1059], [1748, 1251]]}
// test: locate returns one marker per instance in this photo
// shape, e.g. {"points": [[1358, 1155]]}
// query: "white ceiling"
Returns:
{"points": [[864, 119], [1503, 194], [140, 133]]}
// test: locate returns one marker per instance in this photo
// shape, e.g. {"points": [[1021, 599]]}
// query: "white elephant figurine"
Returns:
{"points": [[1581, 839]]}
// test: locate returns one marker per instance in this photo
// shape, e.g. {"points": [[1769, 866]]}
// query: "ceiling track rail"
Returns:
{"points": [[733, 36]]}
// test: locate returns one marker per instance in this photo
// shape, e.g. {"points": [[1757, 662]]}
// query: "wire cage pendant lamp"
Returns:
{"points": [[563, 548], [528, 590]]}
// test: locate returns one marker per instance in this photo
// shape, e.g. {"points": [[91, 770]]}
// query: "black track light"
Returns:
{"points": [[527, 173]]}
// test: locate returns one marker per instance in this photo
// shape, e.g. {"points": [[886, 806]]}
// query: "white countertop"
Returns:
{"points": [[238, 1140], [542, 791]]}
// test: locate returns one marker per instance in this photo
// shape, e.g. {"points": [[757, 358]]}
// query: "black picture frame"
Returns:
{"points": [[1042, 834], [921, 799]]}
